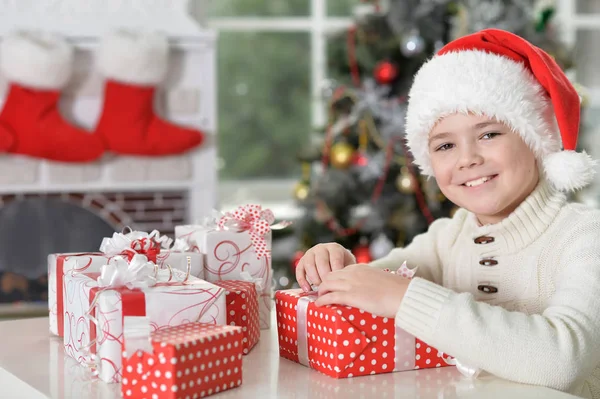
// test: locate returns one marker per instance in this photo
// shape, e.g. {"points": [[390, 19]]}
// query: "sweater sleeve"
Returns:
{"points": [[424, 250], [558, 348]]}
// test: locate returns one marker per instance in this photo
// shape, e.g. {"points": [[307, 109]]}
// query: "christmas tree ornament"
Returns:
{"points": [[328, 88], [584, 95], [341, 155], [405, 182], [412, 44], [134, 63], [38, 65], [301, 190], [385, 72], [362, 253], [380, 246]]}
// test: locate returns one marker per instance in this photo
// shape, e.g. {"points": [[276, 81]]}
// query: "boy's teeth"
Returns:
{"points": [[477, 182]]}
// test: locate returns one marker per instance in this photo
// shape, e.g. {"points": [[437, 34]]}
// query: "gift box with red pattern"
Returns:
{"points": [[342, 341], [242, 309], [189, 361], [176, 257], [238, 242], [97, 303]]}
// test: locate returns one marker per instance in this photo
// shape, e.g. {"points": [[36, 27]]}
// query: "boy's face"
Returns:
{"points": [[481, 165]]}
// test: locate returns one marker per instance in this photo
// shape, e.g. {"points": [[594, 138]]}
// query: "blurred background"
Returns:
{"points": [[303, 105]]}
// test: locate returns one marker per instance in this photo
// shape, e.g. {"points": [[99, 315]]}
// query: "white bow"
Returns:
{"points": [[180, 246], [139, 273], [120, 242]]}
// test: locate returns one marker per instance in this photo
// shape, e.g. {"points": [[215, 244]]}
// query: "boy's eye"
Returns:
{"points": [[490, 135], [444, 147]]}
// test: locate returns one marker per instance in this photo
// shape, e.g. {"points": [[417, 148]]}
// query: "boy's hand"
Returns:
{"points": [[364, 287], [319, 261]]}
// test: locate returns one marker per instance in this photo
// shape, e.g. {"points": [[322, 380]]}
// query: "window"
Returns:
{"points": [[271, 67]]}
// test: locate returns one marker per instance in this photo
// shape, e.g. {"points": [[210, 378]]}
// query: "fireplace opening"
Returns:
{"points": [[32, 228]]}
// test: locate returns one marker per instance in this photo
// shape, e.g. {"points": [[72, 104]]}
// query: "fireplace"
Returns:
{"points": [[48, 207]]}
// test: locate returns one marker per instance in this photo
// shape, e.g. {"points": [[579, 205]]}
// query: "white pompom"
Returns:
{"points": [[569, 170]]}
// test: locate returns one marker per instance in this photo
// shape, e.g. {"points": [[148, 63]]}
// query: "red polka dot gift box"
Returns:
{"points": [[241, 299], [193, 360], [342, 342]]}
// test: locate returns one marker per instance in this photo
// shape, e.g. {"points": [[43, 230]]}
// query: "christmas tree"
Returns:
{"points": [[359, 187]]}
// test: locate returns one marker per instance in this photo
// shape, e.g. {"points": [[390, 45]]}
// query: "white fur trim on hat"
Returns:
{"points": [[484, 84], [34, 59], [134, 57]]}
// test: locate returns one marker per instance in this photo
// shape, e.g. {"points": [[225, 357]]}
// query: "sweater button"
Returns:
{"points": [[488, 262], [488, 289], [484, 240]]}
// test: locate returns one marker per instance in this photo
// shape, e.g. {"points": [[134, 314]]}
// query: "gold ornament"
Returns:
{"points": [[301, 190], [341, 155], [584, 96], [405, 182]]}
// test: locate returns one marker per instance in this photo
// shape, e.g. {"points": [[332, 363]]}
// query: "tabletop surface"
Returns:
{"points": [[32, 366]]}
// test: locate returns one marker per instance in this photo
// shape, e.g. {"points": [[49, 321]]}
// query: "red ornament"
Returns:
{"points": [[360, 159], [362, 254], [385, 72], [297, 256]]}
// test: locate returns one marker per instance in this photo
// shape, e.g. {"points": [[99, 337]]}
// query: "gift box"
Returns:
{"points": [[191, 360], [177, 257], [341, 341], [96, 303], [237, 242], [241, 298], [58, 265]]}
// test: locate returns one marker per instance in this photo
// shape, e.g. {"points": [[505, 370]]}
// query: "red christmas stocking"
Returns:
{"points": [[38, 65], [134, 64]]}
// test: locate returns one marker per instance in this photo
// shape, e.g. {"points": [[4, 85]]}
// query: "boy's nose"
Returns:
{"points": [[469, 158]]}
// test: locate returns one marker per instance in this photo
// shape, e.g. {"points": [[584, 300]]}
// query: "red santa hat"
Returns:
{"points": [[500, 75]]}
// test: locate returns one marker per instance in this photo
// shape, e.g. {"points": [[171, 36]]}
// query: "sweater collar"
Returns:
{"points": [[526, 223]]}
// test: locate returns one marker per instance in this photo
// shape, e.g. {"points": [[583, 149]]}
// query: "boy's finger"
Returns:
{"points": [[301, 276], [311, 273], [332, 298], [322, 263], [336, 259], [331, 285]]}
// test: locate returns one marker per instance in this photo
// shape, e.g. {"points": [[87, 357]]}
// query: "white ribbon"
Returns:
{"points": [[302, 322], [258, 282], [118, 272], [119, 242], [465, 370], [136, 334]]}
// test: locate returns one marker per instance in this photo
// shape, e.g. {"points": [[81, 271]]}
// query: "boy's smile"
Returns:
{"points": [[481, 165]]}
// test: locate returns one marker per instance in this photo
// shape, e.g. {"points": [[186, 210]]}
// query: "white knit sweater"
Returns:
{"points": [[542, 326]]}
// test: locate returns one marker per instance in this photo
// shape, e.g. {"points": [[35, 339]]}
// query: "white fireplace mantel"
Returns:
{"points": [[186, 97], [92, 18]]}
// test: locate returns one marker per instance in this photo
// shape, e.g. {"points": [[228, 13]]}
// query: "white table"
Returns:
{"points": [[32, 366]]}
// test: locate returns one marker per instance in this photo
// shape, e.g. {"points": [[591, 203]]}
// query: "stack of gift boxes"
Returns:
{"points": [[173, 319], [167, 318]]}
